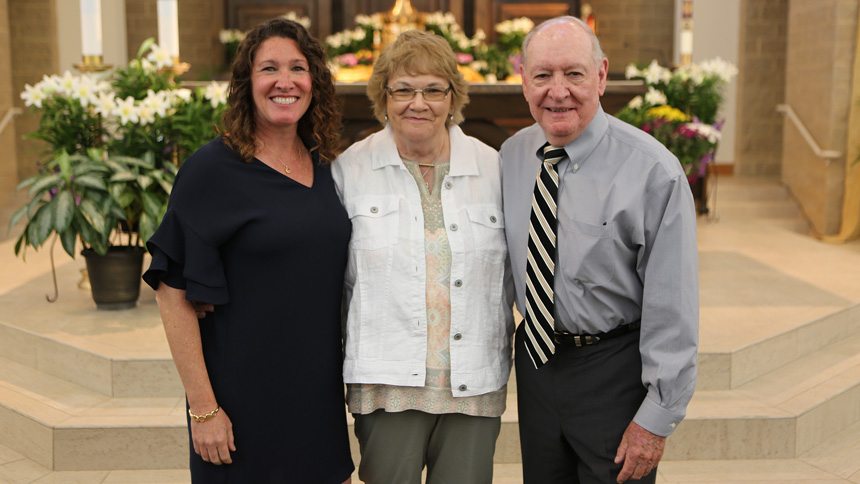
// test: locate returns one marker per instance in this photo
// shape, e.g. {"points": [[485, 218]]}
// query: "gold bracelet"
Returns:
{"points": [[203, 418]]}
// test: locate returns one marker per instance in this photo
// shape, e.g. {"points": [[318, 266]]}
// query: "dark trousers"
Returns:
{"points": [[455, 448], [574, 410]]}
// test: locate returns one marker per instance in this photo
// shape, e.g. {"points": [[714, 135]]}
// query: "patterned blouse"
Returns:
{"points": [[435, 396]]}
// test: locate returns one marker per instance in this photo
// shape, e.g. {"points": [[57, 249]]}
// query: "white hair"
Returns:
{"points": [[596, 52]]}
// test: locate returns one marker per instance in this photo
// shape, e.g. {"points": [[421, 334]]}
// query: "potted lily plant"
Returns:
{"points": [[114, 147], [681, 111]]}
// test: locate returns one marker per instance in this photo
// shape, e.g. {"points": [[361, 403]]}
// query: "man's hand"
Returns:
{"points": [[640, 451], [202, 308]]}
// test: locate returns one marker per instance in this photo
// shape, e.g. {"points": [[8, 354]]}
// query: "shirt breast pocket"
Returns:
{"points": [[488, 232], [586, 252], [375, 222]]}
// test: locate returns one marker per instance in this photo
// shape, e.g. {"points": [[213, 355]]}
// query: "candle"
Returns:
{"points": [[91, 27], [168, 27]]}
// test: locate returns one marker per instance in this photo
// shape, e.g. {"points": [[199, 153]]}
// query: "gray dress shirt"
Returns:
{"points": [[626, 250]]}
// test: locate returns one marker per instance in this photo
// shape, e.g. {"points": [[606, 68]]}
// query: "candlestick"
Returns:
{"points": [[168, 26], [91, 27], [686, 40]]}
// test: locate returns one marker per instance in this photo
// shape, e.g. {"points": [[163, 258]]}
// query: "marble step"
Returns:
{"points": [[779, 415], [760, 209], [747, 189], [744, 353], [116, 353], [64, 426], [125, 353]]}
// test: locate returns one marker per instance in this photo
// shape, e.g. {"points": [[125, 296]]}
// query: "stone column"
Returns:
{"points": [[761, 86]]}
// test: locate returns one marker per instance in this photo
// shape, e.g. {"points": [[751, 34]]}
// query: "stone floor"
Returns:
{"points": [[779, 337]]}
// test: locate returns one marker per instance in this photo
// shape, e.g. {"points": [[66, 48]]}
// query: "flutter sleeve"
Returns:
{"points": [[185, 248], [183, 259]]}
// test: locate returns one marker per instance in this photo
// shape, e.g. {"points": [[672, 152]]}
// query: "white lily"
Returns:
{"points": [[33, 96], [104, 104], [216, 93], [655, 97], [160, 57], [126, 111]]}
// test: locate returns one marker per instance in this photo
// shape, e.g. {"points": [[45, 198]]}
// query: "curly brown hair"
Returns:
{"points": [[319, 127]]}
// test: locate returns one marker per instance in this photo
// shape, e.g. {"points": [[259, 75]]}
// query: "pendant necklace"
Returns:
{"points": [[287, 169], [430, 165]]}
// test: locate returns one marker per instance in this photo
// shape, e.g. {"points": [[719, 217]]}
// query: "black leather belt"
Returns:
{"points": [[563, 338]]}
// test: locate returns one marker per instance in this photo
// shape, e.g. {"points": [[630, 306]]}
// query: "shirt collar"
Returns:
{"points": [[585, 143], [464, 160]]}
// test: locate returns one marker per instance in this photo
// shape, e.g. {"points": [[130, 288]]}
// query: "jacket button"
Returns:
{"points": [[458, 283], [448, 185], [493, 218], [454, 227], [458, 337], [374, 209], [462, 388]]}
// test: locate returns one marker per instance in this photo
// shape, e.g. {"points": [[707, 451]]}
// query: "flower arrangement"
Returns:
{"points": [[231, 38], [350, 48], [680, 109], [113, 148], [478, 60]]}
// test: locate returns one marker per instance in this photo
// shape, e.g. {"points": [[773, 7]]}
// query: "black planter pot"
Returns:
{"points": [[700, 194], [115, 276]]}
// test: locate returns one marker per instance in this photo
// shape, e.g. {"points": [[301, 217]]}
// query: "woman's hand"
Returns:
{"points": [[213, 439]]}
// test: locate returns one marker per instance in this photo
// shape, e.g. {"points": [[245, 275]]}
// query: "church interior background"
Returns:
{"points": [[91, 396]]}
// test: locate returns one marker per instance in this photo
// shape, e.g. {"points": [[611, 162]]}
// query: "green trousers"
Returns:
{"points": [[455, 448]]}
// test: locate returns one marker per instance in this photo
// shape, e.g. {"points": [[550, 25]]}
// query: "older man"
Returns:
{"points": [[601, 229]]}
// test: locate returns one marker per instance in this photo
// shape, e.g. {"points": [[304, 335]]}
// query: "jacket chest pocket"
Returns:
{"points": [[586, 253], [488, 232], [375, 222]]}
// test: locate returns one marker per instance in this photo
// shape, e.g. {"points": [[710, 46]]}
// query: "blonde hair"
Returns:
{"points": [[418, 52]]}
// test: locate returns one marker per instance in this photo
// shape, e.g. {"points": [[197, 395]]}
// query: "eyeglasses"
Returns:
{"points": [[408, 93]]}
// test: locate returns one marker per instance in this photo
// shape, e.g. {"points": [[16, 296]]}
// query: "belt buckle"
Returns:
{"points": [[586, 340], [578, 340]]}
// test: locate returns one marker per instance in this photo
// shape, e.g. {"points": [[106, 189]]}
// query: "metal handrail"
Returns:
{"points": [[13, 111], [827, 155]]}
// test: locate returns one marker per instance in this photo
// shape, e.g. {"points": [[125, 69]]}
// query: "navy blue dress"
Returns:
{"points": [[270, 254]]}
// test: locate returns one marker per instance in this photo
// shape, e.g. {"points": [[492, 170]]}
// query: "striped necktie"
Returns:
{"points": [[540, 269]]}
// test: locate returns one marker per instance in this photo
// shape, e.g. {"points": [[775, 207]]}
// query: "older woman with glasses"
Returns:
{"points": [[428, 288]]}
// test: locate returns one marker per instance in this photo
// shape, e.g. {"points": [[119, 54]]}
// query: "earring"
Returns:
{"points": [[452, 117], [386, 119]]}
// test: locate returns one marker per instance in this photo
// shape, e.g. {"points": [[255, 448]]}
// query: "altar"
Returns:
{"points": [[494, 111]]}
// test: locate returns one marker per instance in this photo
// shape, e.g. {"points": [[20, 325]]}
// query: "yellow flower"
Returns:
{"points": [[668, 113], [364, 55]]}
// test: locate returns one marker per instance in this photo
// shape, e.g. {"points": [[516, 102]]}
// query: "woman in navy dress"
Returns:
{"points": [[255, 228]]}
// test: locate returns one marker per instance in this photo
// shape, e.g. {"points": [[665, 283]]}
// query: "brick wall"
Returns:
{"points": [[761, 86], [8, 162], [821, 45], [199, 23], [33, 32], [635, 31]]}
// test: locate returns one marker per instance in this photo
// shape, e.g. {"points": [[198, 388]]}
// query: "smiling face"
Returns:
{"points": [[281, 84], [561, 82], [418, 120]]}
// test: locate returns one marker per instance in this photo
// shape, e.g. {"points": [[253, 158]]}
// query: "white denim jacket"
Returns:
{"points": [[384, 297]]}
